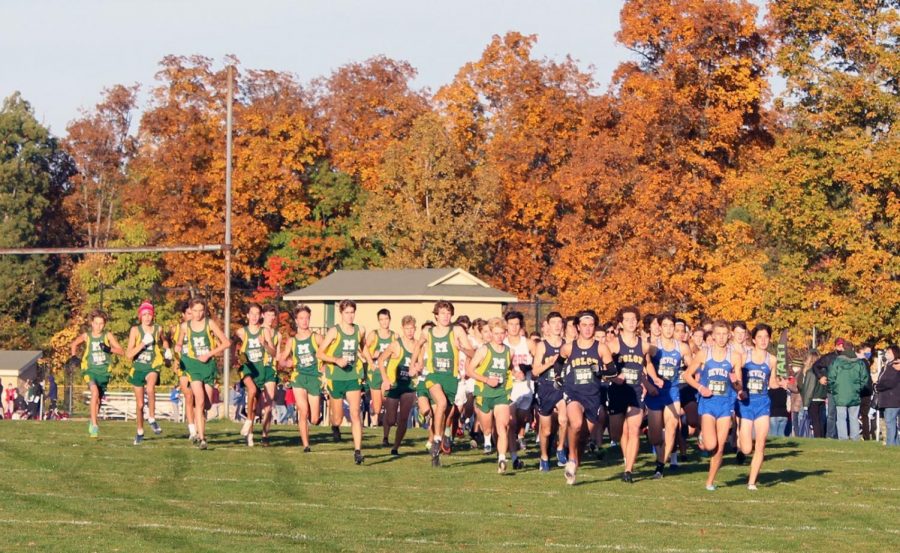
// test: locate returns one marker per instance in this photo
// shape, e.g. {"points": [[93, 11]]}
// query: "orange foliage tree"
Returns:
{"points": [[515, 118], [648, 185]]}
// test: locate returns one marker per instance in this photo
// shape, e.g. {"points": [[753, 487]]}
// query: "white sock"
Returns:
{"points": [[674, 458], [151, 420], [192, 429], [502, 457], [140, 431], [447, 432], [487, 441]]}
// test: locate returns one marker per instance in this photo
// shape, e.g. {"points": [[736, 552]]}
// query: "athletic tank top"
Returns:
{"points": [[252, 347], [304, 356], [716, 375], [93, 357], [755, 376], [581, 369], [499, 365], [442, 353], [521, 359], [269, 359], [149, 357], [398, 368], [630, 362], [668, 363], [199, 343], [346, 346], [555, 370]]}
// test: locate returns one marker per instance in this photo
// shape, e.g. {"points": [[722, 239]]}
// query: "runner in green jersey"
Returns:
{"points": [[268, 381], [180, 339], [299, 354], [145, 350], [376, 342], [250, 348], [342, 354], [395, 364], [205, 340], [491, 367], [95, 361], [443, 344]]}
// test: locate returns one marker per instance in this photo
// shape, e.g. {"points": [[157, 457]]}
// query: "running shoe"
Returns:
{"points": [[264, 441], [336, 433], [522, 445], [545, 465], [248, 424], [626, 477], [436, 454], [711, 488], [740, 457], [156, 428], [138, 439], [446, 446], [93, 431], [501, 466], [751, 487], [659, 471], [192, 438], [385, 443], [561, 458], [488, 449], [592, 446], [394, 452], [202, 444], [518, 464], [306, 449], [570, 472], [358, 457]]}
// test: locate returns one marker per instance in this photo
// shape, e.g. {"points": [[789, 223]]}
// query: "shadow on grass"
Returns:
{"points": [[783, 476]]}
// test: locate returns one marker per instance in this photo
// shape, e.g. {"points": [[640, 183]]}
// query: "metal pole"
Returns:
{"points": [[138, 249], [226, 377]]}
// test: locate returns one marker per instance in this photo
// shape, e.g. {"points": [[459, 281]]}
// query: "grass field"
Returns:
{"points": [[64, 492]]}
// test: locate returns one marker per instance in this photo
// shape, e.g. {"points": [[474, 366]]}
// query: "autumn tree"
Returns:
{"points": [[362, 108], [430, 211], [178, 188], [649, 182], [102, 146], [826, 197], [514, 118]]}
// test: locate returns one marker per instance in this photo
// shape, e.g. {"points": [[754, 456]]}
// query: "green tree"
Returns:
{"points": [[33, 181]]}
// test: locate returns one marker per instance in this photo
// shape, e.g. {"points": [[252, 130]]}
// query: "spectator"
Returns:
{"points": [[814, 393], [291, 403], [778, 408], [821, 370], [847, 377], [798, 411], [864, 354], [52, 391], [280, 409], [19, 405], [10, 396], [888, 389], [215, 402], [36, 395], [175, 400], [240, 402]]}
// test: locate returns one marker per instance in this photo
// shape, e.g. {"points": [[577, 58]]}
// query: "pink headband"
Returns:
{"points": [[146, 306]]}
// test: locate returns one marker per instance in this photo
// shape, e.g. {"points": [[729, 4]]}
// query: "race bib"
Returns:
{"points": [[717, 387], [442, 364], [307, 360], [255, 356], [145, 357], [630, 375], [584, 375], [755, 386], [667, 372]]}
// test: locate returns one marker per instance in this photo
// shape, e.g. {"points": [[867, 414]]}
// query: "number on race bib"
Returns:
{"points": [[717, 387]]}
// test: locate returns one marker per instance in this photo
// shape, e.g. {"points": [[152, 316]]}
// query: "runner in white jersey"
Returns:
{"points": [[522, 394], [454, 429]]}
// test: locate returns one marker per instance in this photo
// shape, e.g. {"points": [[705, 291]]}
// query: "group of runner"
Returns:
{"points": [[572, 382]]}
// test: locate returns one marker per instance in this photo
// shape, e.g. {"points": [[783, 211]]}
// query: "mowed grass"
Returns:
{"points": [[65, 492]]}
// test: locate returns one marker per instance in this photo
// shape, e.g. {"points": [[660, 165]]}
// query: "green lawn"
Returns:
{"points": [[65, 492]]}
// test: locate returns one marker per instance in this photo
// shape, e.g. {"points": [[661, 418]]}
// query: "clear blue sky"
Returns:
{"points": [[61, 53]]}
